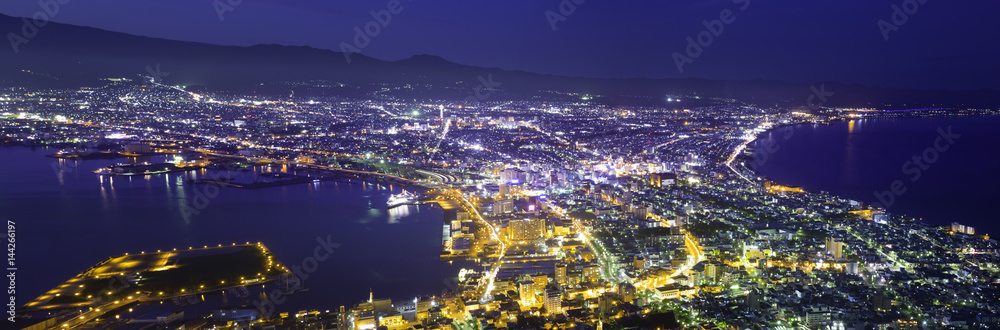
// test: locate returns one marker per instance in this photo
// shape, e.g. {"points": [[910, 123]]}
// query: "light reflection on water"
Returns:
{"points": [[75, 220]]}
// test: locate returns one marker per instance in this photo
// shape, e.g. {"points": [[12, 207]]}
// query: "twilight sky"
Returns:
{"points": [[944, 44]]}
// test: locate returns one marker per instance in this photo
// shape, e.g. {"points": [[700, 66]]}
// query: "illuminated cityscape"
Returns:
{"points": [[560, 208]]}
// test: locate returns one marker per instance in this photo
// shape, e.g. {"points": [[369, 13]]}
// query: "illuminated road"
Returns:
{"points": [[97, 312], [697, 256], [488, 279], [732, 157]]}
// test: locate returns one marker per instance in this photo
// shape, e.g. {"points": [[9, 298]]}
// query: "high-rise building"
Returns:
{"points": [[626, 291], [526, 289], [561, 274], [424, 305], [591, 273], [606, 303], [638, 263], [881, 302], [640, 211], [659, 180], [553, 299], [505, 206], [834, 247], [713, 271], [527, 229], [962, 229], [513, 176]]}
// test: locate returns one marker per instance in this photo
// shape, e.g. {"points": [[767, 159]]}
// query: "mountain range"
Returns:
{"points": [[68, 56]]}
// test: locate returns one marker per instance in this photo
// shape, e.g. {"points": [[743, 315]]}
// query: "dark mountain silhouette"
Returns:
{"points": [[62, 55]]}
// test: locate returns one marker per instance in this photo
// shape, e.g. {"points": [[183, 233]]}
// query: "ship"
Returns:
{"points": [[402, 198]]}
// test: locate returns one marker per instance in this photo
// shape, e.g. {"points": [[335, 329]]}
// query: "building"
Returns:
{"points": [[561, 273], [638, 263], [851, 268], [171, 317], [881, 302], [659, 180], [606, 303], [626, 291], [527, 229], [526, 289], [505, 206], [138, 148], [834, 247], [553, 299], [424, 305], [640, 212], [513, 176], [958, 228], [817, 316], [591, 273], [674, 291], [714, 271]]}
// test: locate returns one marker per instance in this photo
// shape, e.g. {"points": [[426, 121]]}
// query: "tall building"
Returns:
{"points": [[424, 305], [714, 270], [640, 211], [561, 273], [553, 299], [505, 206], [526, 289], [626, 292], [962, 229], [638, 263], [591, 273], [513, 176], [527, 229], [834, 247], [659, 180], [606, 303]]}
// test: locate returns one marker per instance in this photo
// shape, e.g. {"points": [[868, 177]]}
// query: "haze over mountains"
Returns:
{"points": [[62, 55]]}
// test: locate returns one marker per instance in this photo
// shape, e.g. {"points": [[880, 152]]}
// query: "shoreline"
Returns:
{"points": [[757, 172]]}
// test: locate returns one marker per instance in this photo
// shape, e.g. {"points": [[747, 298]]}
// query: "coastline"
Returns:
{"points": [[758, 173], [287, 250]]}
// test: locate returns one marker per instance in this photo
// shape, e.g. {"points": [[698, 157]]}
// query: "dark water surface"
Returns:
{"points": [[69, 218], [860, 160]]}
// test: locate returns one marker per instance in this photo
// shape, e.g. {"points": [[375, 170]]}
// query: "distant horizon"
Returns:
{"points": [[810, 43], [534, 72]]}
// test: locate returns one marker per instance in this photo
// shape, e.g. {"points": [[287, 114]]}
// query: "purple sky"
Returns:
{"points": [[944, 44]]}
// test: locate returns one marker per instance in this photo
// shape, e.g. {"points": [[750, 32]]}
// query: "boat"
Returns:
{"points": [[402, 198]]}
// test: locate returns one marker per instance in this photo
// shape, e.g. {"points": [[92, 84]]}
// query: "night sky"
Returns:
{"points": [[944, 44]]}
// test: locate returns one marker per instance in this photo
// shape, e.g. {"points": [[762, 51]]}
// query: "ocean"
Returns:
{"points": [[938, 169]]}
